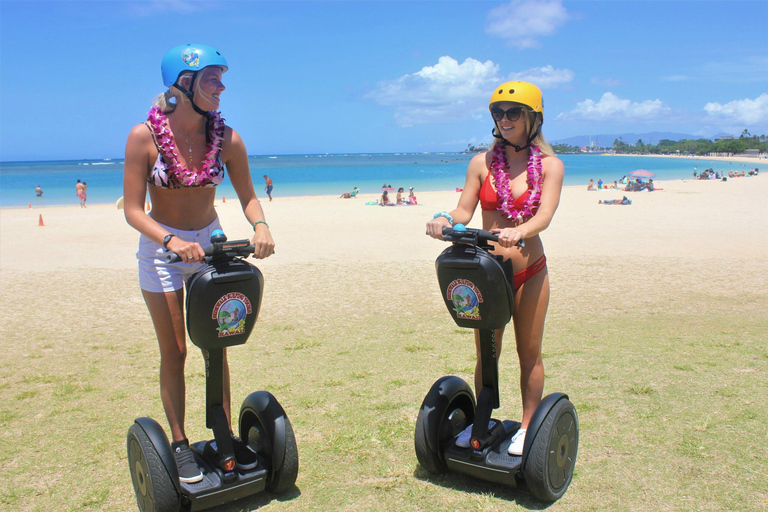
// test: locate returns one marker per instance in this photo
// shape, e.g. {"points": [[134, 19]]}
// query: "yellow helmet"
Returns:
{"points": [[519, 92]]}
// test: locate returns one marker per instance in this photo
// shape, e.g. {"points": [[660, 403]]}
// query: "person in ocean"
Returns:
{"points": [[179, 154], [80, 191], [38, 190], [518, 184]]}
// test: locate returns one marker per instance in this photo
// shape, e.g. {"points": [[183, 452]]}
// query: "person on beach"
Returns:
{"points": [[38, 191], [615, 201], [399, 198], [180, 154], [85, 193], [412, 197], [348, 195], [591, 185], [518, 184], [268, 187], [80, 191]]}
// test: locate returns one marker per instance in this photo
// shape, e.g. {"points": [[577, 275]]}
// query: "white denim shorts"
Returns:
{"points": [[155, 275]]}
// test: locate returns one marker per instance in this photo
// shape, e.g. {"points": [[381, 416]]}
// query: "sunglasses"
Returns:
{"points": [[512, 114]]}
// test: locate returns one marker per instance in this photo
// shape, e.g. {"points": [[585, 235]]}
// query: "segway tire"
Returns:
{"points": [[155, 491], [268, 431], [550, 463], [284, 478], [433, 428]]}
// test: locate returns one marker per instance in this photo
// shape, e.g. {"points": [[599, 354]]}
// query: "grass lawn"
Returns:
{"points": [[668, 375]]}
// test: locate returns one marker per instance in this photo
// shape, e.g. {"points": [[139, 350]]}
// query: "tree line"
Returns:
{"points": [[699, 147]]}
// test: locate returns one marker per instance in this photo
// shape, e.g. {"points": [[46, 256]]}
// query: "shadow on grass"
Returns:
{"points": [[467, 484], [257, 501]]}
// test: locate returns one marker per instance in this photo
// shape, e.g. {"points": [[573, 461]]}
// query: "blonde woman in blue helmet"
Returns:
{"points": [[517, 184], [180, 154]]}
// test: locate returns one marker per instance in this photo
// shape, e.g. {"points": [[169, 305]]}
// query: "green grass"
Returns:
{"points": [[670, 393]]}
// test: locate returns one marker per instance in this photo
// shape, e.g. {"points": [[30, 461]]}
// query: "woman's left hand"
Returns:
{"points": [[508, 237], [263, 245]]}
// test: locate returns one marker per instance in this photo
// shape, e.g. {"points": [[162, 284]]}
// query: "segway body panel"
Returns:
{"points": [[223, 301], [474, 287]]}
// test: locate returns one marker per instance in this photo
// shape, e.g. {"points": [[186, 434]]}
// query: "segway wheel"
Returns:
{"points": [[269, 433], [155, 491], [448, 408], [549, 468]]}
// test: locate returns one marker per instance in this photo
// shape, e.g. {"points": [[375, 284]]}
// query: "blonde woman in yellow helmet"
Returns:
{"points": [[517, 184]]}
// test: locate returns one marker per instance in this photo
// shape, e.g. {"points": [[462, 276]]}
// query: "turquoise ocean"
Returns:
{"points": [[302, 175]]}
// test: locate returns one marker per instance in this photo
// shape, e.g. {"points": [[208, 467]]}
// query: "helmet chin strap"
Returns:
{"points": [[189, 94], [497, 133]]}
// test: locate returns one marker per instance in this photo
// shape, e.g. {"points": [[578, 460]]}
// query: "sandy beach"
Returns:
{"points": [[687, 219], [351, 298]]}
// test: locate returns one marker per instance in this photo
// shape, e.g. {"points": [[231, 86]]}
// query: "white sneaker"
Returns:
{"points": [[462, 441], [518, 440]]}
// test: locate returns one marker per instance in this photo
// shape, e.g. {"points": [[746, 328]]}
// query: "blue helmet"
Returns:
{"points": [[189, 57]]}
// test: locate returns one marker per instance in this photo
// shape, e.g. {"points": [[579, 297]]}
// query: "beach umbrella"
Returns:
{"points": [[641, 173]]}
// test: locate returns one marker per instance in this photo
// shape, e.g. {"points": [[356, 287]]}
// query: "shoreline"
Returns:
{"points": [[740, 159], [363, 196]]}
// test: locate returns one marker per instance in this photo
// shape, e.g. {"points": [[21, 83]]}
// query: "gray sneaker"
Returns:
{"points": [[189, 472]]}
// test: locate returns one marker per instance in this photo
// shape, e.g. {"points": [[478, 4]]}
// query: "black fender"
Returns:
{"points": [[436, 403], [546, 405], [157, 437], [271, 415]]}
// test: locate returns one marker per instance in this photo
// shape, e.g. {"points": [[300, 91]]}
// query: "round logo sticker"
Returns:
{"points": [[229, 312], [190, 57], [466, 299]]}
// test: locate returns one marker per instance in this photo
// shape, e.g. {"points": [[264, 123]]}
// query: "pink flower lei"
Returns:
{"points": [[501, 178], [187, 177]]}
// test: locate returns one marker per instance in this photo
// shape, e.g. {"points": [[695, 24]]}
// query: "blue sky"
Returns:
{"points": [[383, 76]]}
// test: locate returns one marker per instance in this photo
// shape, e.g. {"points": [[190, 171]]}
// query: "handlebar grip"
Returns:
{"points": [[233, 251]]}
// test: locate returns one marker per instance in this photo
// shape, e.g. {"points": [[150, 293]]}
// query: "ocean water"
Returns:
{"points": [[300, 175]]}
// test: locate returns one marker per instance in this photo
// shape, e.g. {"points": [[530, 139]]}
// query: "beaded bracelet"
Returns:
{"points": [[259, 222]]}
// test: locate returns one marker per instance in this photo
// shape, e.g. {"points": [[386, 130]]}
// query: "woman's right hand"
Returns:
{"points": [[189, 252], [435, 227]]}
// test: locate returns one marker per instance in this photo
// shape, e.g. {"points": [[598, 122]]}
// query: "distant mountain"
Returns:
{"points": [[606, 139]]}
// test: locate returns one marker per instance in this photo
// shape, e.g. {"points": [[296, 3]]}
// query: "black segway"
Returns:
{"points": [[223, 301], [477, 291]]}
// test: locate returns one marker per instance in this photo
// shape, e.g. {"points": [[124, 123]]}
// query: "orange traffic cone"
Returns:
{"points": [[29, 205], [147, 205], [40, 222], [223, 199]]}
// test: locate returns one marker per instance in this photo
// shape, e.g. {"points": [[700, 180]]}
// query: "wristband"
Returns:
{"points": [[259, 222], [443, 214]]}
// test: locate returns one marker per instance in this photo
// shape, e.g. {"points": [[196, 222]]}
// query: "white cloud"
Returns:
{"points": [[436, 93], [747, 111], [546, 77], [612, 108], [522, 22]]}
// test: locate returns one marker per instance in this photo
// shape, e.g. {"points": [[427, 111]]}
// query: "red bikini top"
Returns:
{"points": [[489, 200]]}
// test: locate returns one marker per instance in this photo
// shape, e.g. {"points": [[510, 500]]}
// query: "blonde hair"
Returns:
{"points": [[539, 140], [163, 100]]}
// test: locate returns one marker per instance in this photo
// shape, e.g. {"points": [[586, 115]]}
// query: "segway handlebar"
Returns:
{"points": [[480, 237], [220, 249]]}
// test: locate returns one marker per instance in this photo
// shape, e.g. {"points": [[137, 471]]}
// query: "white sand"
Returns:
{"points": [[688, 219]]}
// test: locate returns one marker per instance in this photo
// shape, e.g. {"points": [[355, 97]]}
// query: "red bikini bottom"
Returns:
{"points": [[525, 274]]}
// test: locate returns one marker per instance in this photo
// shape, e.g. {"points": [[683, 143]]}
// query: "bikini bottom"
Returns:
{"points": [[516, 279]]}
